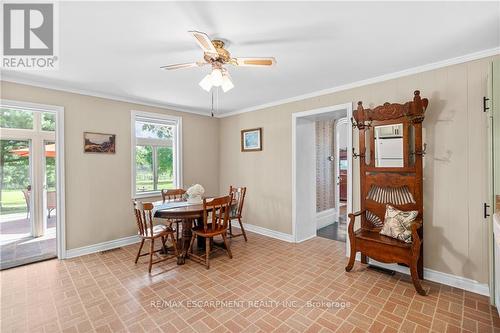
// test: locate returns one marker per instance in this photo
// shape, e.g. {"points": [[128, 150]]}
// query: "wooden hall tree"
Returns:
{"points": [[390, 153]]}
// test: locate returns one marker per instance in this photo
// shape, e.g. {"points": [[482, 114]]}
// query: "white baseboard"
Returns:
{"points": [[325, 218], [440, 277], [109, 245], [265, 232]]}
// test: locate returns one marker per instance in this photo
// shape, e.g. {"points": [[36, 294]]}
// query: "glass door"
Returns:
{"points": [[27, 182], [15, 194], [49, 188]]}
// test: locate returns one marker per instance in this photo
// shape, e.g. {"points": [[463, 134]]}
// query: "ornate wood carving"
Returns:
{"points": [[413, 110]]}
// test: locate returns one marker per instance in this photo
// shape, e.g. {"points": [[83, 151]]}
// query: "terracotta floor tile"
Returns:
{"points": [[108, 293]]}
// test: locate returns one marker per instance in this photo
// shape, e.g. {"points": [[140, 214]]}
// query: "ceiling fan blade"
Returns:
{"points": [[185, 65], [255, 62], [204, 42]]}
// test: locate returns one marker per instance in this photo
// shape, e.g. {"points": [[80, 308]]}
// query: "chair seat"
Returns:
{"points": [[375, 236], [199, 230], [157, 229]]}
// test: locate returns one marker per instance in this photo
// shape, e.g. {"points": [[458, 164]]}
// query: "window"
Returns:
{"points": [[11, 118], [48, 121], [156, 157]]}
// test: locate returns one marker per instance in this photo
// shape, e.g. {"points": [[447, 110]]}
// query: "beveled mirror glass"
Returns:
{"points": [[368, 142], [411, 144], [389, 146]]}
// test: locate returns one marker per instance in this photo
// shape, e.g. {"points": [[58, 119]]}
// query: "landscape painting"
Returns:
{"points": [[99, 143], [251, 139]]}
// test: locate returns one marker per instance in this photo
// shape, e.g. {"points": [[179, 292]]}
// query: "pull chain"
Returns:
{"points": [[212, 102]]}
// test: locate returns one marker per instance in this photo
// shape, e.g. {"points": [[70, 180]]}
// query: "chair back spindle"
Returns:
{"points": [[238, 194], [219, 209], [144, 217], [173, 194]]}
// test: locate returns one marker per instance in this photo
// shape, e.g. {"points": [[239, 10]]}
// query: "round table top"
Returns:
{"points": [[178, 210]]}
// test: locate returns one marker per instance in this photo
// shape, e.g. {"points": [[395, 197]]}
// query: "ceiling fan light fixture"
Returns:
{"points": [[206, 83], [227, 84], [216, 77]]}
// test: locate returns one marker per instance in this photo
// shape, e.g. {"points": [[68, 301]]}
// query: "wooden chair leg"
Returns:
{"points": [[364, 259], [230, 228], [415, 279], [207, 251], [151, 250], [139, 252], [242, 229], [352, 257], [228, 249], [174, 244], [352, 243], [191, 243], [163, 244]]}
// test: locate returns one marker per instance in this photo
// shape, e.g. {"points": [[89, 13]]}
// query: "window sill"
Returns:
{"points": [[147, 195]]}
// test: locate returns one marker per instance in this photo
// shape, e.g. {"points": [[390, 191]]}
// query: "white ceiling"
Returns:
{"points": [[116, 48]]}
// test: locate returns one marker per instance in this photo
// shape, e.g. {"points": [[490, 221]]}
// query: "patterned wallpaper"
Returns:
{"points": [[325, 175]]}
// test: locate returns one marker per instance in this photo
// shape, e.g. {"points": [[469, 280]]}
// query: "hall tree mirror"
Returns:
{"points": [[388, 142]]}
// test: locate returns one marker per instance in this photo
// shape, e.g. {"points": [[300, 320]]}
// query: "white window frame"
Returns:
{"points": [[176, 145]]}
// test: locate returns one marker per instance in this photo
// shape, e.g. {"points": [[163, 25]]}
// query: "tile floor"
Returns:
{"points": [[337, 230], [106, 292]]}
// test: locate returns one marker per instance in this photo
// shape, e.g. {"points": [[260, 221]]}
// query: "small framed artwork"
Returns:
{"points": [[99, 143], [251, 139]]}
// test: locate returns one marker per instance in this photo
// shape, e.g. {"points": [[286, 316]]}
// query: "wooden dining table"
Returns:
{"points": [[189, 214]]}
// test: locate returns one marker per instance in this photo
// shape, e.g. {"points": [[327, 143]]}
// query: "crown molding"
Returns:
{"points": [[9, 77], [376, 79]]}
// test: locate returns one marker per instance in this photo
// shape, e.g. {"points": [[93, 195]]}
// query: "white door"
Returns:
{"points": [[28, 177]]}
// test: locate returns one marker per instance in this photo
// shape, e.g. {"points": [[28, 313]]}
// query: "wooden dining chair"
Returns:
{"points": [[215, 223], [238, 194], [149, 231], [174, 195]]}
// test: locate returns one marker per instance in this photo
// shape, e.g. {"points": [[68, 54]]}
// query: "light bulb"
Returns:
{"points": [[227, 84], [206, 83], [216, 77]]}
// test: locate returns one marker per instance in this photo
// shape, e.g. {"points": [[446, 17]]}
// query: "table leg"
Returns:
{"points": [[200, 241], [183, 243]]}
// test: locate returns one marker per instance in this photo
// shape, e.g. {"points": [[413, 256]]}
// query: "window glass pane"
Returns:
{"points": [[48, 121], [144, 169], [16, 119], [151, 130], [50, 183], [165, 167], [15, 181]]}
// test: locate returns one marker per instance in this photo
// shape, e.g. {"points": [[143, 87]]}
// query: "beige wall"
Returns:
{"points": [[455, 239], [98, 187]]}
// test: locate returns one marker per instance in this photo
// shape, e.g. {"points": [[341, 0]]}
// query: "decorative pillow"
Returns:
{"points": [[397, 223]]}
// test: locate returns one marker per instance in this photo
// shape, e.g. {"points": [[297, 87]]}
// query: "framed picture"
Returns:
{"points": [[251, 139], [99, 143]]}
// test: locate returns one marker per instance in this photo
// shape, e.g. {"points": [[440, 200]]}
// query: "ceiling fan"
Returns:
{"points": [[217, 56]]}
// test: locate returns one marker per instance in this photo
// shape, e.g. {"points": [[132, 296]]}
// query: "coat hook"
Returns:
{"points": [[422, 152], [354, 155]]}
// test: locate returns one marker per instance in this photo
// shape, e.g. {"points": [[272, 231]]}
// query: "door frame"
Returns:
{"points": [[341, 121], [60, 178], [295, 205]]}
